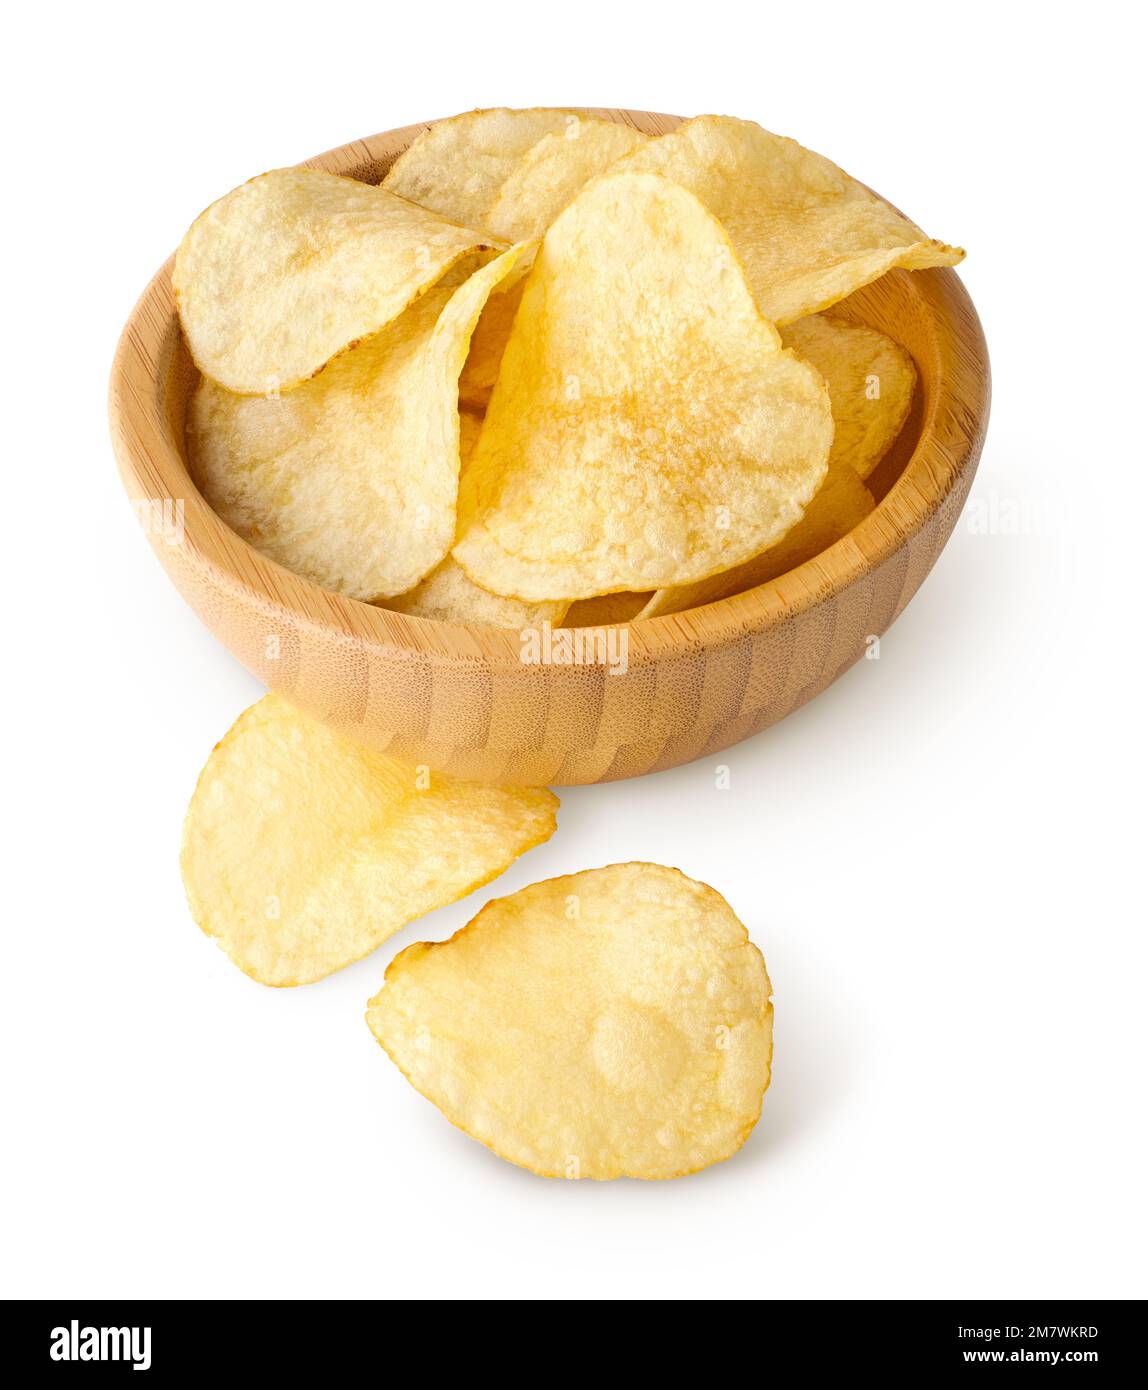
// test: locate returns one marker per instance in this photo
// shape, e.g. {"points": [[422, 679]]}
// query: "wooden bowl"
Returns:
{"points": [[460, 698]]}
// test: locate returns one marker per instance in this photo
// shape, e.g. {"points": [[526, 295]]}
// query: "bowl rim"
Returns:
{"points": [[152, 466]]}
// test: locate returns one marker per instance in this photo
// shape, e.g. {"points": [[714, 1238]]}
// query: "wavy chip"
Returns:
{"points": [[806, 233], [611, 1023], [871, 380], [552, 171], [647, 428], [289, 269], [457, 166], [351, 479], [302, 852], [840, 503]]}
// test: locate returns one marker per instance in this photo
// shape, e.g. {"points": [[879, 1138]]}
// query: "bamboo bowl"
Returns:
{"points": [[459, 698]]}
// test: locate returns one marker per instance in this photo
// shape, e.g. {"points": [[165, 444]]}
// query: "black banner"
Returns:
{"points": [[79, 1341]]}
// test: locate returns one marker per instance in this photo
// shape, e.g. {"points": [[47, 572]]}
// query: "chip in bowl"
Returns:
{"points": [[806, 233], [871, 380], [291, 268], [552, 171], [457, 166], [647, 428]]}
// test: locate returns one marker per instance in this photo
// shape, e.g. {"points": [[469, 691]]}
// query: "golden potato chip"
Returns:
{"points": [[842, 501], [552, 171], [487, 344], [457, 166], [302, 851], [612, 1023], [806, 233], [351, 478], [647, 427], [289, 269], [871, 380]]}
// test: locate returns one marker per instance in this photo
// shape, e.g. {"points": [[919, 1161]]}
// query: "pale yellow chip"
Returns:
{"points": [[806, 232], [613, 1023], [457, 166], [840, 504], [551, 173], [871, 380], [647, 428], [450, 596], [302, 852], [288, 270], [351, 478]]}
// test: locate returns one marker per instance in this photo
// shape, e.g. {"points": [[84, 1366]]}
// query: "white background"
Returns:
{"points": [[940, 857]]}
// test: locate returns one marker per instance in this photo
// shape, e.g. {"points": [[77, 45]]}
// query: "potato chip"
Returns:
{"points": [[551, 173], [351, 478], [451, 596], [302, 851], [448, 595], [647, 428], [806, 233], [871, 380], [291, 268], [612, 1023], [842, 501], [487, 344], [457, 166]]}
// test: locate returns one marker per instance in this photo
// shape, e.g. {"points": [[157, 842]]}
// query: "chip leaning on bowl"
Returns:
{"points": [[654, 399]]}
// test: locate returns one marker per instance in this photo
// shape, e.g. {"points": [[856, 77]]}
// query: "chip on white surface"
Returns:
{"points": [[610, 1023], [302, 851]]}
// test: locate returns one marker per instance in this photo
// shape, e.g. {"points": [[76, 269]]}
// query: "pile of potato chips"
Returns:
{"points": [[551, 368]]}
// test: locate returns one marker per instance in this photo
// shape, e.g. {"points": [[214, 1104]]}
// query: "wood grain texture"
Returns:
{"points": [[461, 699]]}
